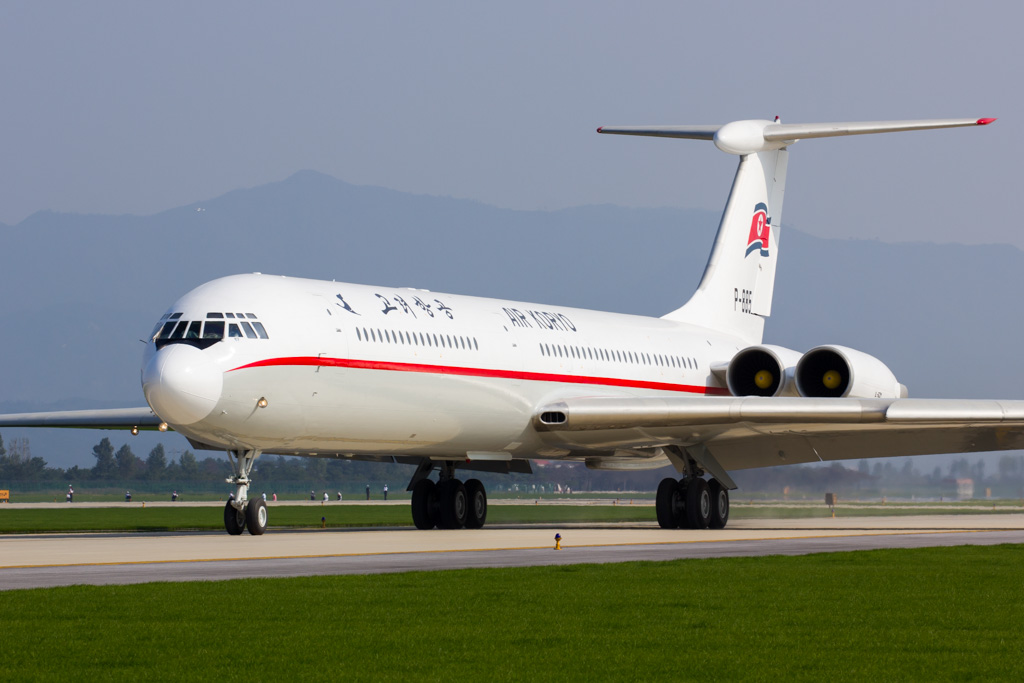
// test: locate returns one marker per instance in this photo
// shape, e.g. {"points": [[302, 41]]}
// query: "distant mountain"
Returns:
{"points": [[81, 290]]}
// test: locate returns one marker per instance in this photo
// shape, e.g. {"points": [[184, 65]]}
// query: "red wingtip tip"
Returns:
{"points": [[600, 129], [985, 122]]}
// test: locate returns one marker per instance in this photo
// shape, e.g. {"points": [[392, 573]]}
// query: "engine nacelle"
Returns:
{"points": [[762, 371], [838, 371]]}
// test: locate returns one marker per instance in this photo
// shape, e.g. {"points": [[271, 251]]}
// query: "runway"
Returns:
{"points": [[50, 560]]}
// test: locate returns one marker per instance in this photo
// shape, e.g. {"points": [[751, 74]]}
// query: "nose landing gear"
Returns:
{"points": [[240, 513]]}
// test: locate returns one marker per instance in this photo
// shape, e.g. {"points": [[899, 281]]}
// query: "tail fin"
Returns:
{"points": [[735, 293]]}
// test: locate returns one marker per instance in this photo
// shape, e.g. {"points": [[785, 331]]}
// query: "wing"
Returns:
{"points": [[117, 418], [743, 433]]}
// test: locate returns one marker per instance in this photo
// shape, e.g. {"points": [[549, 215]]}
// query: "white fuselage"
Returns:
{"points": [[353, 369]]}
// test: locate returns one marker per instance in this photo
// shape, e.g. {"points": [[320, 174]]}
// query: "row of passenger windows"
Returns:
{"points": [[617, 356], [441, 341], [212, 329]]}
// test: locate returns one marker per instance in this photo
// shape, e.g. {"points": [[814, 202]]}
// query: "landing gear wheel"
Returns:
{"points": [[698, 504], [670, 504], [476, 497], [454, 506], [256, 516], [424, 504], [234, 519], [719, 505]]}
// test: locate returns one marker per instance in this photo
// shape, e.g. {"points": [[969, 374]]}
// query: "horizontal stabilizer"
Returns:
{"points": [[749, 137], [687, 132], [804, 131]]}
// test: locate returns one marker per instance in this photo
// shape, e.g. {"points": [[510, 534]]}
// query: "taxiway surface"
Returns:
{"points": [[67, 559]]}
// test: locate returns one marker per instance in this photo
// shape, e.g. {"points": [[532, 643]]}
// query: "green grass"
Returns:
{"points": [[137, 518], [931, 614]]}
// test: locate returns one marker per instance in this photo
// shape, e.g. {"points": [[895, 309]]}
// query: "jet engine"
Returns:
{"points": [[762, 371], [838, 371]]}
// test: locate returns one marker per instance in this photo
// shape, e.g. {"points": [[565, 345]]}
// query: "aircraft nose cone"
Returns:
{"points": [[181, 384]]}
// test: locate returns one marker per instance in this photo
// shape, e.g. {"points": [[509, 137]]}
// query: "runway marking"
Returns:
{"points": [[911, 532]]}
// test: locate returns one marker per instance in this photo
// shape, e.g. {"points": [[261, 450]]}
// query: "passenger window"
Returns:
{"points": [[247, 328], [193, 330], [475, 347], [213, 330], [233, 330], [259, 329]]}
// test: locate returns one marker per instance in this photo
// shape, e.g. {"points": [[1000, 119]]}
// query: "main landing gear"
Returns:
{"points": [[240, 513], [448, 504], [692, 503]]}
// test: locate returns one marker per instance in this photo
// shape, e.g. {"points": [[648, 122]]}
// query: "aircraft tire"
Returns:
{"points": [[454, 504], [476, 497], [719, 505], [234, 519], [669, 503], [256, 516], [424, 503], [698, 504]]}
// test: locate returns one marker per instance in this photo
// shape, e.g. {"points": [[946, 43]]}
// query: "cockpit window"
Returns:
{"points": [[203, 334], [214, 329], [166, 330]]}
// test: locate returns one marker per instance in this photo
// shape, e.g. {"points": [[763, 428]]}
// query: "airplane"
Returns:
{"points": [[254, 363]]}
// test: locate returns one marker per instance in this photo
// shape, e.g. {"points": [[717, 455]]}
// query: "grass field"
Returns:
{"points": [[930, 614], [137, 518]]}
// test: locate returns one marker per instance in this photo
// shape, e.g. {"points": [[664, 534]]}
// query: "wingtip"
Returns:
{"points": [[600, 129], [985, 122]]}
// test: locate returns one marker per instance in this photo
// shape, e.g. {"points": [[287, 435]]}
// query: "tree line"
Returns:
{"points": [[121, 467]]}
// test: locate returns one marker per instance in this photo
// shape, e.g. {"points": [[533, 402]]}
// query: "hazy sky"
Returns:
{"points": [[134, 107]]}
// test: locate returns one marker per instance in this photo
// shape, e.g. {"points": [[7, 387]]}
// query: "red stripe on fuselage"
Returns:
{"points": [[480, 372]]}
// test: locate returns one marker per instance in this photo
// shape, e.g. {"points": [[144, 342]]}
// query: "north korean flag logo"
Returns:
{"points": [[760, 224]]}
